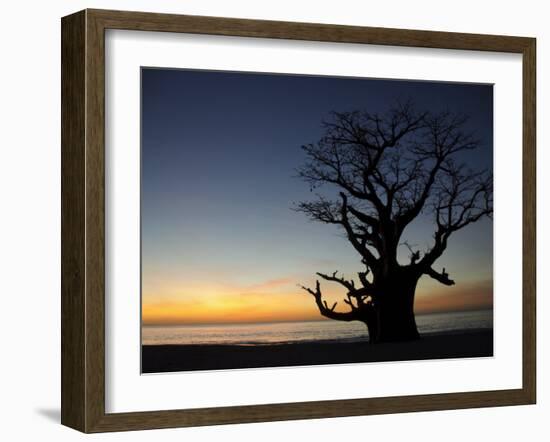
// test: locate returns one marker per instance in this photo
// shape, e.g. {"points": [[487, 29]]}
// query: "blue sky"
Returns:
{"points": [[219, 153]]}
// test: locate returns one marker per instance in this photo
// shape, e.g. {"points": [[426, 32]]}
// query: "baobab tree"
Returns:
{"points": [[384, 171]]}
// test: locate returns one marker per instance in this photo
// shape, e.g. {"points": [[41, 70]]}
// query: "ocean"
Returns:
{"points": [[291, 332]]}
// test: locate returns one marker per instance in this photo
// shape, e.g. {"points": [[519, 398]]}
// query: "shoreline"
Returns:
{"points": [[194, 357]]}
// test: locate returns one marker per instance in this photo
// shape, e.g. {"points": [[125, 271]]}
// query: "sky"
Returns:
{"points": [[220, 241]]}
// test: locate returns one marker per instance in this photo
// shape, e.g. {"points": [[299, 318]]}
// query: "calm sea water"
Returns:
{"points": [[284, 332]]}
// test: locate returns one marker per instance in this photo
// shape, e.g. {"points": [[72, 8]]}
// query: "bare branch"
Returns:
{"points": [[414, 254], [363, 278], [349, 284], [361, 247], [463, 197], [325, 310], [442, 277]]}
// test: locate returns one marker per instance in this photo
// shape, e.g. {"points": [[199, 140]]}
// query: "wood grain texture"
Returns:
{"points": [[95, 222], [144, 21], [83, 220], [73, 128], [529, 220]]}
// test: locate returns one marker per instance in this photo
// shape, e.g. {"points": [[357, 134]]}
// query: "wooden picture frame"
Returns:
{"points": [[83, 220]]}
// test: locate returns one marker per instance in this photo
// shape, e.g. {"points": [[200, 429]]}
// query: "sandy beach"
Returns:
{"points": [[170, 358]]}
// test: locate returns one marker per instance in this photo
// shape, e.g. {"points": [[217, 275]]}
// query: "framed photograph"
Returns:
{"points": [[267, 220]]}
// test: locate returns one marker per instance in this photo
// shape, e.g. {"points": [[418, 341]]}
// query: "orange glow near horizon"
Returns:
{"points": [[282, 300]]}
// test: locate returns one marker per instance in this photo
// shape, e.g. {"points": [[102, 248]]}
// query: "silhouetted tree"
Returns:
{"points": [[385, 170]]}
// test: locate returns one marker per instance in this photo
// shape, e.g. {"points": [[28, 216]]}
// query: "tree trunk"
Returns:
{"points": [[395, 319]]}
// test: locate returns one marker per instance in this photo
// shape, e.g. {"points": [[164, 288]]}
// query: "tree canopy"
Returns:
{"points": [[381, 172]]}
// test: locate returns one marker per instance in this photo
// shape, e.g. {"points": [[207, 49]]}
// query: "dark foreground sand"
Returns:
{"points": [[165, 358]]}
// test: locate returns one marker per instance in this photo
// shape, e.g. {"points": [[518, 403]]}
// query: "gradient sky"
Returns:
{"points": [[220, 242]]}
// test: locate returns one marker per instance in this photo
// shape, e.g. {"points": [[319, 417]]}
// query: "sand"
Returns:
{"points": [[170, 358]]}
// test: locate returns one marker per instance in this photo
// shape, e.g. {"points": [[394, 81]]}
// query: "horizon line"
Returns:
{"points": [[286, 321]]}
